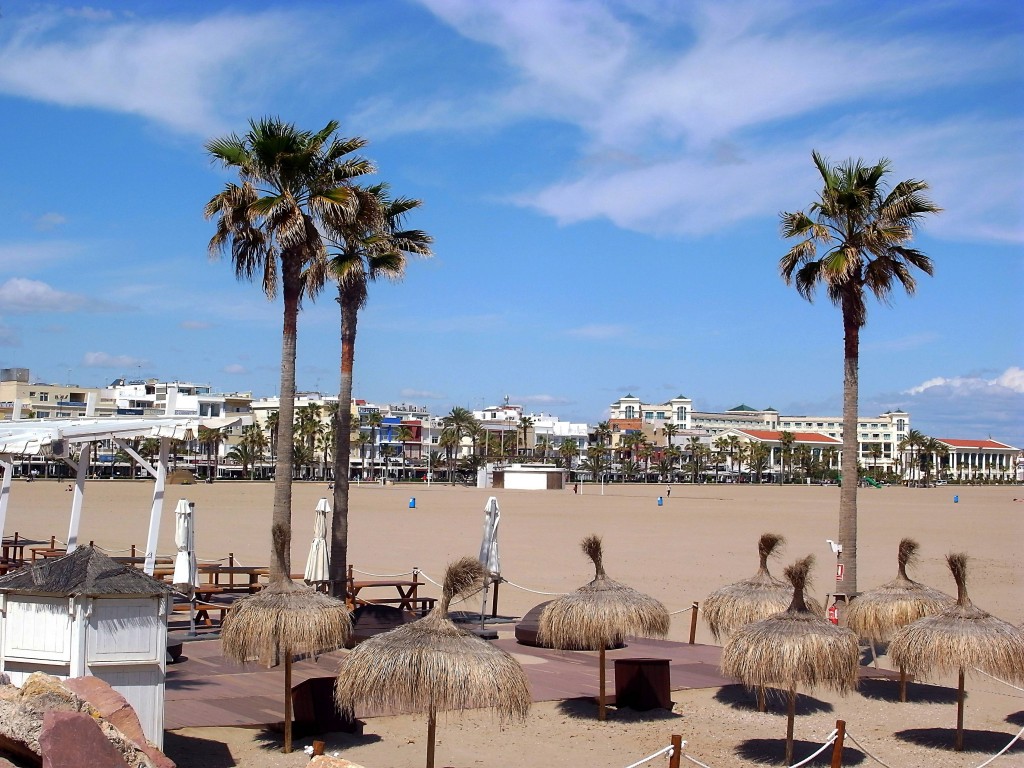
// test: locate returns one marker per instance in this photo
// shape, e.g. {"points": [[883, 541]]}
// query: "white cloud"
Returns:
{"points": [[8, 336], [104, 360], [541, 400], [194, 325], [25, 255], [235, 369], [421, 394], [49, 221], [181, 75], [1010, 380], [21, 296]]}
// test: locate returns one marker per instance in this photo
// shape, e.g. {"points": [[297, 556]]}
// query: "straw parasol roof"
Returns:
{"points": [[792, 649], [433, 665], [600, 614], [960, 637], [284, 619], [878, 613], [762, 595]]}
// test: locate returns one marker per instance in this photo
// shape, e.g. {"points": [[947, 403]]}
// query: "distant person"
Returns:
{"points": [[668, 492], [576, 488]]}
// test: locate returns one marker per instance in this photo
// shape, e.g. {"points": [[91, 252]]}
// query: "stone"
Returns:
{"points": [[326, 761], [74, 740]]}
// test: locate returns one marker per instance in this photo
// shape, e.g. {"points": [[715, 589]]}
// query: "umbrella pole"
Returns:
{"points": [[431, 732], [791, 716], [761, 706], [600, 700], [874, 653], [903, 685], [958, 743], [287, 703]]}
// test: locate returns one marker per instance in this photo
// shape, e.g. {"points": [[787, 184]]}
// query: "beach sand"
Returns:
{"points": [[699, 539]]}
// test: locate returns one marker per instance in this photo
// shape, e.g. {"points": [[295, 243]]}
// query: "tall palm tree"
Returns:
{"points": [[670, 430], [273, 421], [370, 246], [293, 184], [863, 229], [696, 450], [525, 423], [567, 451], [404, 435], [786, 442]]}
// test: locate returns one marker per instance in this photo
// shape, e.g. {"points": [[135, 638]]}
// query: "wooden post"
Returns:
{"points": [[677, 751], [790, 717], [431, 734], [903, 685], [600, 701], [133, 550], [287, 701], [693, 623], [494, 600], [958, 743], [837, 746], [318, 747], [231, 564], [350, 585]]}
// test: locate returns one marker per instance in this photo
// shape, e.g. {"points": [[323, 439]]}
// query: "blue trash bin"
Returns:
{"points": [[660, 501], [412, 503]]}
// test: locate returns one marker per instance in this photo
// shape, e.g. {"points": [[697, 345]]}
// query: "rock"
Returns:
{"points": [[41, 692], [74, 740], [115, 709]]}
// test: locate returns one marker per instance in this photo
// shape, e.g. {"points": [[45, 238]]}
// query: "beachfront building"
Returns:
{"points": [[21, 398], [784, 456], [978, 461]]}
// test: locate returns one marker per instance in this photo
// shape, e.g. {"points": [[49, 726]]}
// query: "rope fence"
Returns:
{"points": [[671, 750]]}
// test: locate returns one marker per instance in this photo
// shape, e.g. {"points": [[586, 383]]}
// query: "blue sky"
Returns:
{"points": [[602, 179]]}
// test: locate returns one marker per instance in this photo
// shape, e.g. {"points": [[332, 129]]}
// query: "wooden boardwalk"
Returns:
{"points": [[204, 689]]}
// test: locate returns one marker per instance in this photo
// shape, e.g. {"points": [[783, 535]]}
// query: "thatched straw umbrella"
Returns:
{"points": [[730, 607], [791, 649], [961, 636], [434, 665], [284, 619], [600, 614], [878, 613], [762, 595]]}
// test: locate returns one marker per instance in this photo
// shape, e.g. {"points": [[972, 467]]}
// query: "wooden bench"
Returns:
{"points": [[203, 611]]}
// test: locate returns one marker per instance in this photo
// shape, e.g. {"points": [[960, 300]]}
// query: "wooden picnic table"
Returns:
{"points": [[251, 583], [138, 560], [407, 598]]}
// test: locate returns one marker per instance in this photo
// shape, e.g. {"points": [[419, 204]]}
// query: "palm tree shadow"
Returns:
{"points": [[776, 701], [585, 708], [974, 740], [917, 693], [773, 752], [1016, 718], [271, 739]]}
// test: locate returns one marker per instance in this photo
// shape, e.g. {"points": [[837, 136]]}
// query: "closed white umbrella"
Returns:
{"points": [[489, 551], [318, 564], [186, 572]]}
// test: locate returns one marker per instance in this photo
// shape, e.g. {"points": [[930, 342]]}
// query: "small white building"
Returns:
{"points": [[523, 477], [84, 614]]}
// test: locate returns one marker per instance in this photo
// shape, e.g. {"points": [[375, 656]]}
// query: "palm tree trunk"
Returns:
{"points": [[848, 493], [342, 449], [281, 526]]}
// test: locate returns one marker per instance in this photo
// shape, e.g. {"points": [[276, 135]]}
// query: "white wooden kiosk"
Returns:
{"points": [[84, 614], [525, 477]]}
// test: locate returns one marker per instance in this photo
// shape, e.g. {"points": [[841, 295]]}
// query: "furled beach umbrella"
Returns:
{"points": [[762, 595], [318, 563], [878, 613], [961, 636], [185, 578], [284, 619], [600, 615], [433, 665], [791, 649]]}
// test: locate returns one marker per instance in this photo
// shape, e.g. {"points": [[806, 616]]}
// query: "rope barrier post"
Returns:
{"points": [[837, 746], [494, 600], [677, 751], [693, 622]]}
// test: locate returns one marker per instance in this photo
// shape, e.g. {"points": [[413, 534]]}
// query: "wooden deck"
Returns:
{"points": [[204, 689]]}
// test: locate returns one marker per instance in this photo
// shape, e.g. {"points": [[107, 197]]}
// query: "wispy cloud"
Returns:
{"points": [[194, 325], [542, 400], [598, 331], [24, 256], [178, 74], [902, 343], [105, 360], [235, 369], [8, 336], [49, 221], [1010, 380], [22, 296], [421, 394]]}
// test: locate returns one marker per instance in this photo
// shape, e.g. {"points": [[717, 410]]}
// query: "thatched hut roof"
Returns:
{"points": [[286, 618], [794, 648], [433, 665], [602, 613], [84, 572], [960, 636], [753, 599], [879, 612]]}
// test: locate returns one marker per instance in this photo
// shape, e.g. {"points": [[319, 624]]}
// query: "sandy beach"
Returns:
{"points": [[700, 538]]}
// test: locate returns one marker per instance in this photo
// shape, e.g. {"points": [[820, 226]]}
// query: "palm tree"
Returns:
{"points": [[567, 451], [211, 439], [293, 184], [449, 442], [525, 422], [461, 423], [757, 459], [404, 435], [670, 430], [373, 421], [864, 228], [369, 247], [246, 455], [273, 420], [696, 450], [543, 446], [786, 442]]}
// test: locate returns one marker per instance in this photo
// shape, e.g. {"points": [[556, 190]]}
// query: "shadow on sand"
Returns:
{"points": [[192, 750], [776, 701], [1016, 718], [917, 693], [987, 742], [773, 752], [585, 708]]}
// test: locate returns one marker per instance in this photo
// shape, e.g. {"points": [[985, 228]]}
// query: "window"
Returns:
{"points": [[630, 411], [44, 397]]}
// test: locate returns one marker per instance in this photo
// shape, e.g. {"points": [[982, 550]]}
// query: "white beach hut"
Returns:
{"points": [[84, 614]]}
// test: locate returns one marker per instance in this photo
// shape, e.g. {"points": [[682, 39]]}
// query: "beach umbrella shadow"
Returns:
{"points": [[741, 698], [773, 752], [921, 693], [988, 742], [878, 613], [1016, 718], [601, 614], [585, 708], [434, 666], [791, 649], [961, 637], [193, 750]]}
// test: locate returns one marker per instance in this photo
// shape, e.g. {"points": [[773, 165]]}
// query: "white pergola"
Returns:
{"points": [[55, 436]]}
